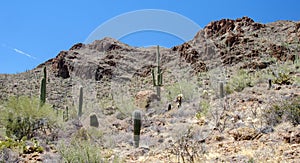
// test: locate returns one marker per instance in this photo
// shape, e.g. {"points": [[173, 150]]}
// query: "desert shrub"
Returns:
{"points": [[186, 148], [123, 100], [239, 82], [283, 78], [187, 88], [23, 117], [286, 111], [283, 74], [204, 108], [20, 146], [84, 148], [15, 145], [79, 151]]}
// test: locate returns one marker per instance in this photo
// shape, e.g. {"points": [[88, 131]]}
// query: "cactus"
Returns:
{"points": [[157, 82], [66, 114], [137, 124], [80, 102], [169, 107], [270, 84], [45, 73], [94, 120], [43, 88], [221, 89]]}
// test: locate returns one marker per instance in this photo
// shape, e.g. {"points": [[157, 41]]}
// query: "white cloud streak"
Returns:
{"points": [[18, 51], [21, 52]]}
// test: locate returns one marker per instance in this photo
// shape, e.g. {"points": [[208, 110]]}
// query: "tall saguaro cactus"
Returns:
{"points": [[158, 78], [137, 124], [45, 73], [80, 102], [43, 88]]}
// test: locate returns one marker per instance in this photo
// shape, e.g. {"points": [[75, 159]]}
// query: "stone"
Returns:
{"points": [[144, 98], [77, 46], [59, 65], [245, 133]]}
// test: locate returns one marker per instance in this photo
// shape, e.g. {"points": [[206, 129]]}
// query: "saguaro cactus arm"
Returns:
{"points": [[157, 79]]}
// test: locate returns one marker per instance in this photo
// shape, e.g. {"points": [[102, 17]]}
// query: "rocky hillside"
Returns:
{"points": [[116, 78]]}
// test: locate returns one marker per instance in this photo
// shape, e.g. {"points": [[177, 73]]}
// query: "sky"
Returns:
{"points": [[34, 31]]}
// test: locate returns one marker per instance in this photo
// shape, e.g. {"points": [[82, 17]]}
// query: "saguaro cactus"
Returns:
{"points": [[270, 83], [45, 73], [137, 124], [157, 80], [80, 102], [43, 88], [221, 90]]}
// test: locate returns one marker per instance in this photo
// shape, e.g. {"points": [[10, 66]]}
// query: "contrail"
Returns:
{"points": [[21, 52], [18, 51]]}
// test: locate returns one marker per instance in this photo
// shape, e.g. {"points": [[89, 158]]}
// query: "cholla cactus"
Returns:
{"points": [[137, 124]]}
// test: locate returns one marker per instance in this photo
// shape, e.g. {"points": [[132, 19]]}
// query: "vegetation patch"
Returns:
{"points": [[286, 111], [239, 82], [283, 79], [24, 117], [79, 151]]}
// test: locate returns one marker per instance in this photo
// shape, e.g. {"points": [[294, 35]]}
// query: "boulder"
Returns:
{"points": [[144, 98]]}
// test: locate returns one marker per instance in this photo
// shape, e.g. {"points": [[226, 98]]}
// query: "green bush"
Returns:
{"points": [[286, 111], [20, 146], [204, 108], [16, 145], [23, 117], [187, 88], [79, 151], [283, 78], [239, 82]]}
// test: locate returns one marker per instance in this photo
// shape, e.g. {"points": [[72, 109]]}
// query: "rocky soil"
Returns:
{"points": [[116, 79]]}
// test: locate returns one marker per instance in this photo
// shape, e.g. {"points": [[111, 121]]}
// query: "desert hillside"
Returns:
{"points": [[240, 86]]}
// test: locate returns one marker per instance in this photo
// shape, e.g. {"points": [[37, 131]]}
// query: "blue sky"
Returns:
{"points": [[35, 31]]}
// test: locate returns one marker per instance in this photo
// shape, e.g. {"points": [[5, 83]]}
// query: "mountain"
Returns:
{"points": [[116, 78]]}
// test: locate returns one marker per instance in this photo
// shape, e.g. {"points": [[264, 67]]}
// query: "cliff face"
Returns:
{"points": [[224, 42], [243, 39]]}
